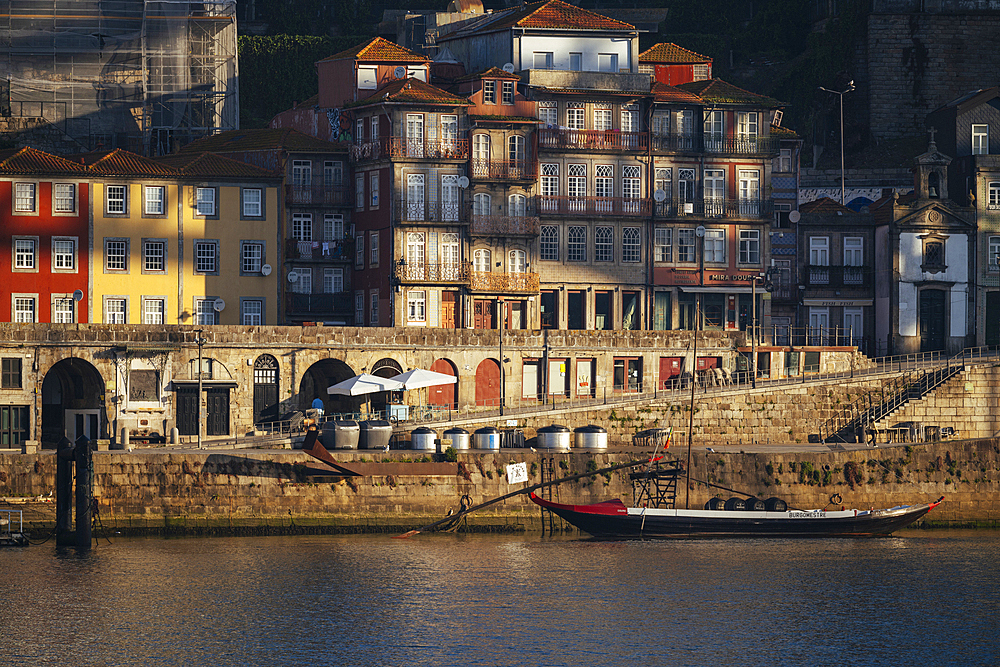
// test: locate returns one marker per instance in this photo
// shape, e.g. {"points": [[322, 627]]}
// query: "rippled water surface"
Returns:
{"points": [[924, 598]]}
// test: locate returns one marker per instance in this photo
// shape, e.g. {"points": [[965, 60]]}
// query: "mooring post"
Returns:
{"points": [[64, 492], [84, 461]]}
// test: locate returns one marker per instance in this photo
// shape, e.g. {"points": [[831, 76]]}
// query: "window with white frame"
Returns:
{"points": [[302, 226], [630, 122], [663, 182], [154, 256], [604, 182], [25, 251], [64, 198], [507, 92], [115, 255], [373, 135], [205, 312], [333, 280], [252, 257], [604, 244], [114, 310], [205, 201], [154, 199], [253, 312], [373, 244], [715, 246], [548, 113], [783, 163], [549, 243], [541, 60], [253, 203], [416, 306], [374, 190], [631, 246], [63, 254], [993, 196], [450, 254], [980, 139], [24, 197], [489, 91], [415, 255], [114, 199], [994, 254], [367, 78], [576, 116], [515, 149], [549, 185], [303, 283], [715, 192], [630, 188], [607, 62], [517, 206], [854, 247], [686, 245], [62, 310], [373, 306], [517, 261], [333, 173], [713, 131], [819, 251], [206, 256], [301, 173], [481, 148], [576, 185], [663, 249], [153, 311], [24, 309], [576, 246], [644, 69], [359, 307], [481, 259], [746, 125], [602, 117], [700, 72], [359, 131], [749, 246], [333, 226], [481, 203], [359, 251], [359, 191]]}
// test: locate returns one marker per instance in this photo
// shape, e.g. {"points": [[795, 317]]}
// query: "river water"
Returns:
{"points": [[920, 598]]}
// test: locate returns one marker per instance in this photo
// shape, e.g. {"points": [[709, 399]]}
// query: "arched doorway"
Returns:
{"points": [[265, 389], [324, 374], [72, 404], [933, 319], [488, 384], [385, 368], [443, 394]]}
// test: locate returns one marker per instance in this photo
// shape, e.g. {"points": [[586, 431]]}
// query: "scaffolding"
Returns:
{"points": [[142, 75]]}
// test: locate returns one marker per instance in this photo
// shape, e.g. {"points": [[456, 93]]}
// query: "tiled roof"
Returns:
{"points": [[824, 205], [491, 73], [783, 132], [412, 91], [284, 138], [664, 93], [120, 162], [29, 160], [667, 52], [546, 15], [717, 91], [379, 49], [212, 165]]}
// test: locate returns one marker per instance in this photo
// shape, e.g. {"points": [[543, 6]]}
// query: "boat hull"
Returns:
{"points": [[613, 520]]}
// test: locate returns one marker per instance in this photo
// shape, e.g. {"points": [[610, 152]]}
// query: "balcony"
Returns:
{"points": [[593, 140], [340, 249], [487, 281], [445, 272], [404, 148], [314, 304], [579, 206], [317, 193], [740, 209], [504, 225], [502, 170], [673, 142], [838, 276], [425, 211]]}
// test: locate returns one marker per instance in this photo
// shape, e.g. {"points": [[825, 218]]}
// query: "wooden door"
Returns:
{"points": [[217, 411], [448, 318], [187, 410], [483, 312], [933, 319], [488, 384], [443, 394]]}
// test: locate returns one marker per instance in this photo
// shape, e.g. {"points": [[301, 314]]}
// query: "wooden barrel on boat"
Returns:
{"points": [[736, 504]]}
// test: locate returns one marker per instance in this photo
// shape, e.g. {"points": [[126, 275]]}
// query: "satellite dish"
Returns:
{"points": [[794, 216], [463, 182], [700, 231], [265, 270], [400, 72], [78, 295], [219, 305], [293, 277], [660, 195], [508, 67]]}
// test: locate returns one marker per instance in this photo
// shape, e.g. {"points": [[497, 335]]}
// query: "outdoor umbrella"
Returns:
{"points": [[364, 384], [419, 377]]}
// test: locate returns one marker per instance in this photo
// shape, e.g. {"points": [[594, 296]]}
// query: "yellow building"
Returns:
{"points": [[186, 239]]}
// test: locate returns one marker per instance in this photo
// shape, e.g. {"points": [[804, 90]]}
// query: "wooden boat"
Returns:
{"points": [[613, 520]]}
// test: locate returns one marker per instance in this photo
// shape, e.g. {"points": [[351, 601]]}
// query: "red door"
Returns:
{"points": [[483, 312], [443, 394], [488, 389], [670, 368]]}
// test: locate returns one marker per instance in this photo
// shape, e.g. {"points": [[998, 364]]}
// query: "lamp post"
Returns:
{"points": [[850, 87], [768, 286], [201, 342]]}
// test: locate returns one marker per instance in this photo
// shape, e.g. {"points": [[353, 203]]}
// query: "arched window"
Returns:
{"points": [[516, 261], [481, 204], [481, 260], [515, 148], [480, 147], [517, 206]]}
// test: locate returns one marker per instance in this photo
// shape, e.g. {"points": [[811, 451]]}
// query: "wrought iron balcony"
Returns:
{"points": [[407, 148], [427, 272], [504, 225], [838, 276], [745, 209], [317, 193], [553, 205], [593, 140], [340, 249], [502, 170], [425, 211], [679, 142], [319, 303], [488, 281]]}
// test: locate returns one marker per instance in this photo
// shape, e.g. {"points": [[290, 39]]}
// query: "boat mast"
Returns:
{"points": [[700, 233]]}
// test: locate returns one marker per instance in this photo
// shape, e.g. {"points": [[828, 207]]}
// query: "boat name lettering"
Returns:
{"points": [[806, 515]]}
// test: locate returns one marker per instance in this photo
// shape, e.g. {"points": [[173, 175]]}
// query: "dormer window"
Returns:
{"points": [[489, 92], [417, 73], [701, 73], [367, 78], [507, 92]]}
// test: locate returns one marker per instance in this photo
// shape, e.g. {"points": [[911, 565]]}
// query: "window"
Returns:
{"points": [[333, 173], [373, 241], [416, 306], [481, 261], [993, 196], [701, 72], [662, 245], [481, 203], [302, 226], [854, 251], [333, 281], [515, 150], [630, 123], [252, 203], [549, 186], [115, 200], [994, 253], [64, 198], [153, 311], [24, 254], [783, 163], [114, 310], [374, 190], [481, 147], [542, 60], [549, 243], [24, 309], [359, 191], [630, 245], [154, 199], [301, 173], [715, 192], [576, 248], [980, 139], [62, 310], [367, 78], [604, 185], [630, 189], [415, 251], [252, 257], [933, 255], [205, 253], [715, 245], [205, 198], [575, 116], [373, 137], [548, 113], [604, 244], [252, 312], [115, 255], [10, 373], [647, 69], [373, 301], [489, 92], [576, 186], [713, 131], [749, 192], [819, 251], [205, 311], [516, 261], [333, 226], [507, 92], [576, 62], [685, 245], [154, 255], [449, 130], [749, 246], [359, 251], [607, 62], [602, 117], [24, 197], [517, 206], [662, 182], [450, 254], [746, 126]]}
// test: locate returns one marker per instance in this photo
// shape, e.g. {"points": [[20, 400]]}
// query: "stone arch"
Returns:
{"points": [[266, 389], [488, 383], [322, 374], [444, 394], [386, 368], [73, 402]]}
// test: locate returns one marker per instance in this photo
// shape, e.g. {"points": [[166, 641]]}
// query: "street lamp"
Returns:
{"points": [[766, 278], [850, 87], [201, 342]]}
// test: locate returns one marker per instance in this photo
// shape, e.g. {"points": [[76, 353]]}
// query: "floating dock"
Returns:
{"points": [[12, 529]]}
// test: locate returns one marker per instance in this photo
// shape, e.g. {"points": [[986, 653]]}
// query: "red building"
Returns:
{"points": [[674, 65]]}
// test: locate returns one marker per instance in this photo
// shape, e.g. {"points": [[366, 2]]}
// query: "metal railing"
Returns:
{"points": [[434, 272], [736, 145], [716, 207], [502, 170], [838, 276], [427, 211], [593, 140], [331, 249], [488, 281], [558, 205], [504, 225], [411, 148], [318, 193]]}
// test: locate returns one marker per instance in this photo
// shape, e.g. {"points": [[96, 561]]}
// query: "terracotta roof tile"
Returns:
{"points": [[491, 73], [824, 205], [412, 91], [212, 165], [783, 132], [667, 52], [29, 160], [284, 138], [379, 49], [665, 93], [120, 162], [717, 91], [546, 15]]}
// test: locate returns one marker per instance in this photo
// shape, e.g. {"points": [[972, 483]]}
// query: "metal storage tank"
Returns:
{"points": [[375, 434], [554, 437], [590, 437], [460, 438], [345, 433], [486, 438], [423, 438]]}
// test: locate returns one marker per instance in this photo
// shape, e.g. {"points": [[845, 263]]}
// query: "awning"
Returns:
{"points": [[838, 302], [721, 289]]}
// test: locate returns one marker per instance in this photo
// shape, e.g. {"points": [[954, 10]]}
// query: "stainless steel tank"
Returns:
{"points": [[554, 437], [460, 439], [590, 437], [346, 434], [375, 434], [423, 438], [486, 438]]}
